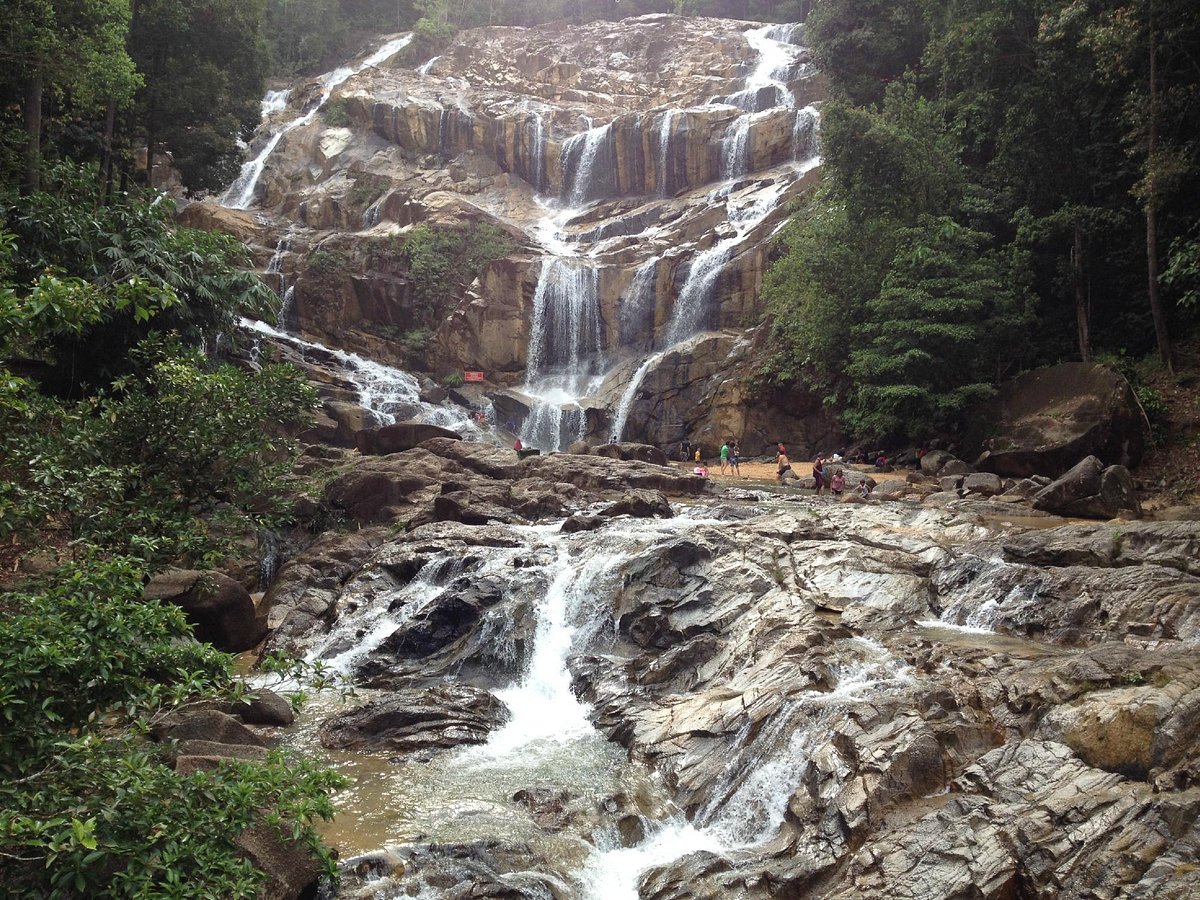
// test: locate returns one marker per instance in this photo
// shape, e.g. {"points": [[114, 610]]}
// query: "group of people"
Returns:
{"points": [[825, 473], [822, 476]]}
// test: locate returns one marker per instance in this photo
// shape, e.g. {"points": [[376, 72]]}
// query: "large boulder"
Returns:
{"points": [[1047, 419], [1091, 491], [628, 451], [443, 716], [292, 867], [219, 608], [398, 437], [209, 725]]}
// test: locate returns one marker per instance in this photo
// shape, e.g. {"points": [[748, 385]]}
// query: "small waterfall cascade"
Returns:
{"points": [[621, 419], [806, 143], [391, 394], [977, 593], [241, 193], [637, 305], [589, 164], [564, 351], [275, 266], [353, 641], [694, 309], [747, 808], [274, 101], [426, 68], [667, 178], [537, 147], [766, 89]]}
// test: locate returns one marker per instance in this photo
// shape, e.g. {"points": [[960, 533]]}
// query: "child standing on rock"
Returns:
{"points": [[837, 484]]}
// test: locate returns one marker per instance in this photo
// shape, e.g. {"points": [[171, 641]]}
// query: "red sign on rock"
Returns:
{"points": [[472, 376]]}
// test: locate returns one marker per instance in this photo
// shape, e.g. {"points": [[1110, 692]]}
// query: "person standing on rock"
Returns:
{"points": [[735, 468], [724, 456], [685, 450], [782, 465], [819, 475]]}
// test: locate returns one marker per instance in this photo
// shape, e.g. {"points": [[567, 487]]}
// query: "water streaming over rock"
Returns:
{"points": [[589, 163], [667, 179], [241, 193], [391, 394]]}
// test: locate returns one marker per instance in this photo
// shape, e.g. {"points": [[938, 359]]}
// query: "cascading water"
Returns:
{"points": [[564, 351], [241, 192], [747, 808], [589, 165], [621, 419], [805, 134], [666, 170], [391, 394]]}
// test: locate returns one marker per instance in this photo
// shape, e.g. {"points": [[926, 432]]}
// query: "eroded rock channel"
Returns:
{"points": [[745, 694]]}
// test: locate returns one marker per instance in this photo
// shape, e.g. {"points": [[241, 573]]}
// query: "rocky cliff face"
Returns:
{"points": [[639, 167]]}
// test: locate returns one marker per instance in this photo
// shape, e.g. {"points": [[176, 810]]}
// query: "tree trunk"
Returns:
{"points": [[33, 131], [1160, 321], [106, 164], [1082, 323]]}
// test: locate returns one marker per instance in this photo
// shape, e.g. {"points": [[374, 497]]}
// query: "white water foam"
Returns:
{"points": [[240, 194], [385, 391]]}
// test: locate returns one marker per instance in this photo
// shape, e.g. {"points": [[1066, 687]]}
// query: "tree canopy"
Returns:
{"points": [[1015, 175]]}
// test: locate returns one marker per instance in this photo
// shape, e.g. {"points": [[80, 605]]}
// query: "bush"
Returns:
{"points": [[453, 380], [133, 469], [1157, 413], [88, 807], [335, 113], [324, 263]]}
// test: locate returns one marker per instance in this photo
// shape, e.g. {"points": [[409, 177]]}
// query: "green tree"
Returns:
{"points": [[204, 63], [864, 45], [941, 333], [303, 33], [137, 265], [88, 807], [1148, 49], [73, 50]]}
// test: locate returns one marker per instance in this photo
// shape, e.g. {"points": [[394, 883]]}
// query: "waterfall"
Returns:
{"points": [[693, 310], [791, 33], [665, 169], [427, 67], [627, 398], [589, 164], [275, 267], [391, 394], [564, 351], [805, 141], [748, 807], [537, 146], [240, 194], [735, 149], [274, 101], [542, 704], [638, 306]]}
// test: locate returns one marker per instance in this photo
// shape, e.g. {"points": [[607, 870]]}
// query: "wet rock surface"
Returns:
{"points": [[417, 720], [841, 700]]}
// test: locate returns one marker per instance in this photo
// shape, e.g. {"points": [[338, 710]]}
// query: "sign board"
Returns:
{"points": [[472, 376]]}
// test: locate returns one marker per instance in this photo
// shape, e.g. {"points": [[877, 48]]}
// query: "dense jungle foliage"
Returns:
{"points": [[1006, 183], [125, 448]]}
